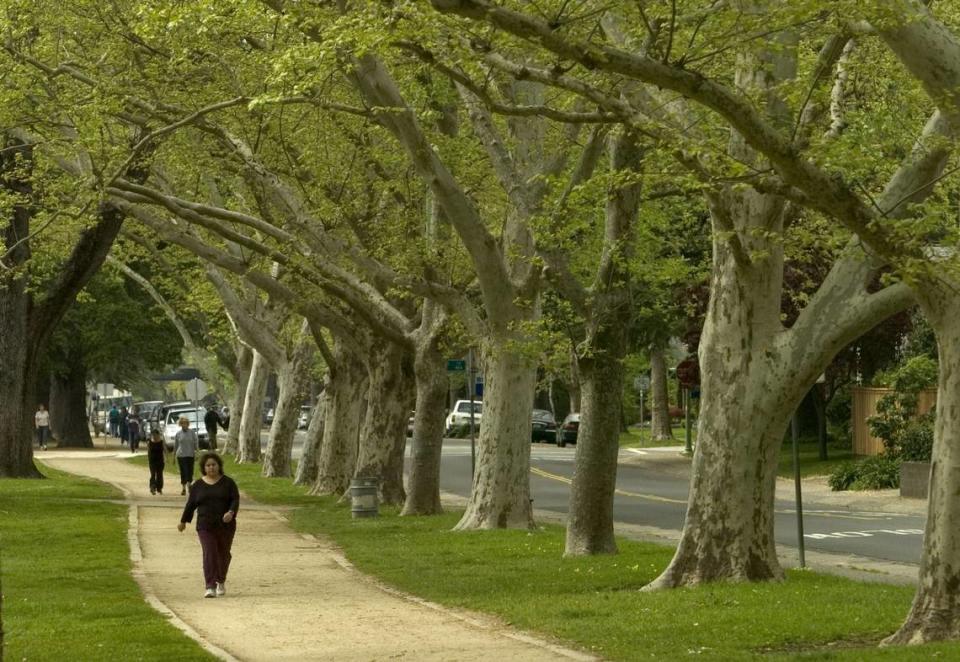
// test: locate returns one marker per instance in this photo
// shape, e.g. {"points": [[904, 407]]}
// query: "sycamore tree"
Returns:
{"points": [[755, 371], [895, 224]]}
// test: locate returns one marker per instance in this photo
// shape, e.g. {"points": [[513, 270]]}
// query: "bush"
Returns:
{"points": [[878, 472], [916, 441], [843, 476]]}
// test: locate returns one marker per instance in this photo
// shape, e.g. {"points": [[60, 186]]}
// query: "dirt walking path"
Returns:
{"points": [[289, 597]]}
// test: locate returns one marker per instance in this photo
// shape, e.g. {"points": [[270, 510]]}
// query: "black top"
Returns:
{"points": [[155, 451], [211, 502], [211, 419]]}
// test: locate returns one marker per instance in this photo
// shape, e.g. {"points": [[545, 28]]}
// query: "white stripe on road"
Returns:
{"points": [[869, 533]]}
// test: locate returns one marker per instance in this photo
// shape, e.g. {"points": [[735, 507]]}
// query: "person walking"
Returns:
{"points": [[133, 432], [216, 499], [211, 420], [41, 421], [185, 445], [124, 415], [114, 420], [157, 457]]}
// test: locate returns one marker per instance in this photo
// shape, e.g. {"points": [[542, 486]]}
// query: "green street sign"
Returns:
{"points": [[456, 365]]}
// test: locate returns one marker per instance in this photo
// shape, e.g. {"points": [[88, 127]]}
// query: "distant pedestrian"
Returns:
{"points": [[211, 420], [41, 421], [113, 418], [225, 418], [133, 432], [216, 499], [185, 445], [157, 457], [124, 415]]}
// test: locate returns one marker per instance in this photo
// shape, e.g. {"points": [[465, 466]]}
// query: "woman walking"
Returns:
{"points": [[215, 498], [156, 455], [185, 444]]}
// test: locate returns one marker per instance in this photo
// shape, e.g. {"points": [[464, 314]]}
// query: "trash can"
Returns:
{"points": [[363, 497]]}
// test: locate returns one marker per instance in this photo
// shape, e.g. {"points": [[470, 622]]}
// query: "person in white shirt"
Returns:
{"points": [[41, 421]]}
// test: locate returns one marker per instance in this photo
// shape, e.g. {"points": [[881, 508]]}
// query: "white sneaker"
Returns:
{"points": [[210, 593], [221, 590]]}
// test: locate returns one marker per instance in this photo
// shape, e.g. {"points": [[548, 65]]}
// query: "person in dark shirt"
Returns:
{"points": [[215, 498], [156, 454], [211, 420]]}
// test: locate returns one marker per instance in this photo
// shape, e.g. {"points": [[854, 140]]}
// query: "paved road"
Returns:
{"points": [[648, 496]]}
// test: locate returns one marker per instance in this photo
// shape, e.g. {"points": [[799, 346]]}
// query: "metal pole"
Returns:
{"points": [[471, 371], [641, 413], [795, 434], [688, 448]]}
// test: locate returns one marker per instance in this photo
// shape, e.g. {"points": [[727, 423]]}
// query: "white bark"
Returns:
{"points": [[935, 613], [253, 410], [346, 406], [309, 463], [383, 437], [241, 375], [500, 497], [292, 378]]}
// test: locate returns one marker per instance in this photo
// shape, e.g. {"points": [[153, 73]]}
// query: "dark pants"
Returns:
{"points": [[43, 434], [186, 469], [134, 438], [216, 544], [212, 438], [156, 476]]}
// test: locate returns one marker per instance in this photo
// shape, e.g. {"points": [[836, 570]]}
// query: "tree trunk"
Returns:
{"points": [[817, 394], [935, 613], [292, 380], [68, 408], [500, 497], [728, 530], [660, 424], [17, 384], [346, 405], [590, 522], [423, 494], [384, 438], [252, 420], [242, 378], [574, 386], [309, 463]]}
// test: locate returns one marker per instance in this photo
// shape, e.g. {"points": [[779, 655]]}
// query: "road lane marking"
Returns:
{"points": [[867, 533], [568, 481]]}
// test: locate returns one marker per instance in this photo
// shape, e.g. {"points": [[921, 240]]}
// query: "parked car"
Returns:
{"points": [[146, 411], [410, 424], [171, 425], [544, 427], [159, 417], [268, 417], [306, 411], [568, 430], [460, 414]]}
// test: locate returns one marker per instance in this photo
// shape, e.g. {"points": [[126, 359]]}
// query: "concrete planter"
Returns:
{"points": [[914, 479]]}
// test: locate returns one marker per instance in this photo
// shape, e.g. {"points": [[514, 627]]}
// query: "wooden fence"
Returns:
{"points": [[865, 405]]}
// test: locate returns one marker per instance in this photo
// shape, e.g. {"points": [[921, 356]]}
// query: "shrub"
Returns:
{"points": [[843, 476], [916, 441], [877, 472]]}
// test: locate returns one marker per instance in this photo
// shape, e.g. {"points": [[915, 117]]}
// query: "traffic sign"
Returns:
{"points": [[456, 365]]}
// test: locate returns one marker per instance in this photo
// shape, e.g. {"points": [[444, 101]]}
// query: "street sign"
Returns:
{"points": [[456, 365], [641, 383]]}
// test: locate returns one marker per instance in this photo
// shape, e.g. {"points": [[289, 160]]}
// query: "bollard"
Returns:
{"points": [[363, 497]]}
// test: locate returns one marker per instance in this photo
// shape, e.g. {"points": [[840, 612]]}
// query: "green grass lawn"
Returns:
{"points": [[810, 462], [67, 589], [595, 602], [640, 438]]}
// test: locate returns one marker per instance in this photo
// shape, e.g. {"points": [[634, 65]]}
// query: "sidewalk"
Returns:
{"points": [[289, 597]]}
